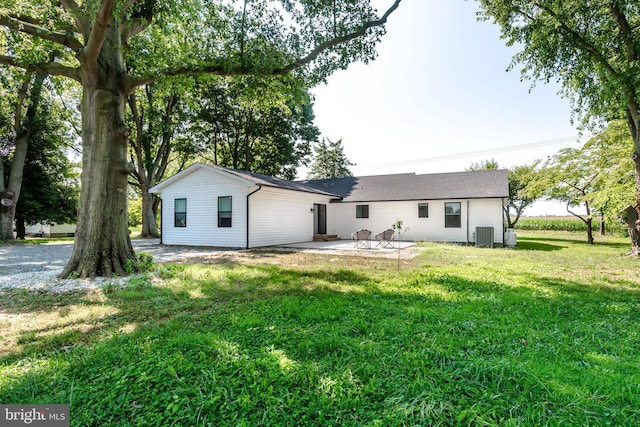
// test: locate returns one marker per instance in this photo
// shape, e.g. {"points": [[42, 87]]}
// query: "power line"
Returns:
{"points": [[525, 146]]}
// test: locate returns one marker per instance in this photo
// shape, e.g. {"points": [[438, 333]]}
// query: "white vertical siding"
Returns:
{"points": [[280, 216], [487, 213], [382, 215], [202, 189]]}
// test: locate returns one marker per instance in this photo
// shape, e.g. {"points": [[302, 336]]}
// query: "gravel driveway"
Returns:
{"points": [[35, 267]]}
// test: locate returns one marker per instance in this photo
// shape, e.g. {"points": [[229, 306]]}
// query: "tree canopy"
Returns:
{"points": [[592, 48], [113, 46], [597, 177], [255, 124], [523, 188], [329, 161]]}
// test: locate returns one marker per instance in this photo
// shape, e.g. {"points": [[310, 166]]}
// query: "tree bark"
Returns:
{"points": [[589, 223], [631, 214], [149, 223], [24, 127], [102, 245], [7, 215], [21, 230], [630, 217]]}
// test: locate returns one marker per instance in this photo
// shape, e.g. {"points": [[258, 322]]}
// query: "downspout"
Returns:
{"points": [[468, 222], [161, 228], [249, 195], [504, 221]]}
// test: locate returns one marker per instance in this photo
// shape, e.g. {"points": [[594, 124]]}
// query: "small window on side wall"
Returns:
{"points": [[224, 211], [362, 211], [423, 210], [180, 213], [452, 215]]}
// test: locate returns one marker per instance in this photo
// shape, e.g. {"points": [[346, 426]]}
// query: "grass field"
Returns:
{"points": [[546, 334]]}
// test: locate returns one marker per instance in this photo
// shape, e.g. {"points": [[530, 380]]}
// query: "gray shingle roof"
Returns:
{"points": [[270, 181], [409, 186]]}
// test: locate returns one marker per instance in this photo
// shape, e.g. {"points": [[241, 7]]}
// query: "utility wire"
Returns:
{"points": [[456, 156]]}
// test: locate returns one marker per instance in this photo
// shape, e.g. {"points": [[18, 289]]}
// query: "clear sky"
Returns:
{"points": [[438, 92]]}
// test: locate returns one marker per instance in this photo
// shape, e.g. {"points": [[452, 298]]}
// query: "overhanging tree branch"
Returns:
{"points": [[98, 32], [26, 26], [217, 70], [40, 23], [625, 31], [72, 8], [22, 95], [131, 28], [222, 70], [52, 68], [299, 63], [583, 43]]}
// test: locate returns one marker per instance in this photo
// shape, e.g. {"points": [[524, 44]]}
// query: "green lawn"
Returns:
{"points": [[546, 334]]}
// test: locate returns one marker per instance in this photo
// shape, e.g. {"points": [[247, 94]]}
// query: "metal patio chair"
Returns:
{"points": [[362, 239], [385, 238]]}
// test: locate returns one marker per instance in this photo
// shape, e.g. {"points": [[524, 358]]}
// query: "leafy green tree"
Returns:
{"points": [[329, 161], [50, 190], [571, 177], [523, 188], [522, 191], [24, 92], [255, 124], [592, 48], [609, 154], [484, 165], [112, 47], [156, 111]]}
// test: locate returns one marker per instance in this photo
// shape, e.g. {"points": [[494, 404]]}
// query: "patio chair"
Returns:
{"points": [[362, 239], [385, 238]]}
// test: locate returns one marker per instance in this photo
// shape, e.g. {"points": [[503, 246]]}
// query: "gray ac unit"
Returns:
{"points": [[484, 237]]}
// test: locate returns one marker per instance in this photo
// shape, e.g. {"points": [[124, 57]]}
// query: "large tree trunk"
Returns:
{"points": [[21, 229], [151, 165], [102, 245], [631, 214], [7, 215], [149, 224], [630, 217], [10, 193]]}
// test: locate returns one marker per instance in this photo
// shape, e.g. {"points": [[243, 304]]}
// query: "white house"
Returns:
{"points": [[207, 205], [51, 230]]}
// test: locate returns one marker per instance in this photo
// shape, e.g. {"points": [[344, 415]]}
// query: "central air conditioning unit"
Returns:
{"points": [[484, 237]]}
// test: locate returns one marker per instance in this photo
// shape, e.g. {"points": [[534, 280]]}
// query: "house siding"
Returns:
{"points": [[54, 230], [202, 189], [278, 216], [486, 213], [282, 212], [382, 215]]}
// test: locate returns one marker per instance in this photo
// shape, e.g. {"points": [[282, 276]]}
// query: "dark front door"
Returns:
{"points": [[320, 214]]}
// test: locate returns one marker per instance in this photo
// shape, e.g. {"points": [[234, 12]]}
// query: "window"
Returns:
{"points": [[452, 215], [224, 211], [423, 210], [180, 213], [362, 211]]}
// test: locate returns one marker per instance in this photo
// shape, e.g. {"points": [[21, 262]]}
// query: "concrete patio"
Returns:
{"points": [[348, 245], [404, 249]]}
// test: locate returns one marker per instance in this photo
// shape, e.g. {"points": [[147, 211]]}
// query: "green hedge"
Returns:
{"points": [[568, 224]]}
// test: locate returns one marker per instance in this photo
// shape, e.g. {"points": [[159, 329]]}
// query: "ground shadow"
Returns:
{"points": [[530, 244], [263, 345]]}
